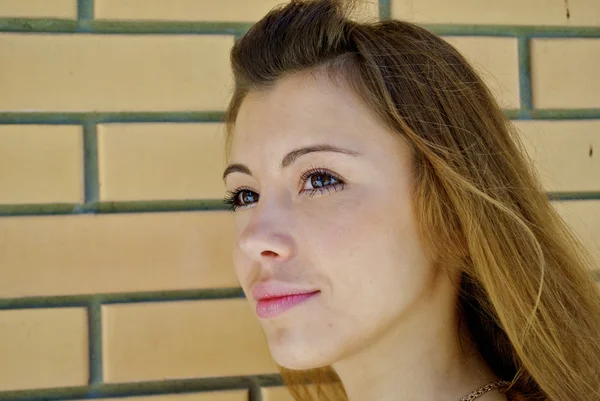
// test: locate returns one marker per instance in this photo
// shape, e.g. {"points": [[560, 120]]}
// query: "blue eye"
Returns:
{"points": [[318, 180], [240, 197]]}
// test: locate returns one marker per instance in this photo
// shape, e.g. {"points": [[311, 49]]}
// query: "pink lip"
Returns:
{"points": [[274, 298]]}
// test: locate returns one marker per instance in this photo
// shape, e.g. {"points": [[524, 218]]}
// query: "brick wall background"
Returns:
{"points": [[114, 247]]}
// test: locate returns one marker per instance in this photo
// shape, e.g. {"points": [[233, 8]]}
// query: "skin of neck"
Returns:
{"points": [[419, 358]]}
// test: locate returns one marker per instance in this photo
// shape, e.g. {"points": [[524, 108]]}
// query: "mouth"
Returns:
{"points": [[269, 307]]}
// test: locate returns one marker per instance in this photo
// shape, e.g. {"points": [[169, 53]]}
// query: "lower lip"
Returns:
{"points": [[271, 307]]}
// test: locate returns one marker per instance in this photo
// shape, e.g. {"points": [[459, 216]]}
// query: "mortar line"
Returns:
{"points": [[87, 24], [67, 301], [81, 118], [385, 11], [85, 10], [90, 163], [134, 389], [525, 89], [95, 341]]}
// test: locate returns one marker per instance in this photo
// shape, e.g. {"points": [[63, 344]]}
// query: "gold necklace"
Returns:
{"points": [[484, 389]]}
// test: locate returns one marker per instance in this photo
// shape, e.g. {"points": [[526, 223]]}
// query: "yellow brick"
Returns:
{"points": [[65, 9], [505, 12], [496, 60], [584, 218], [43, 348], [41, 164], [115, 253], [161, 161], [175, 340], [561, 153], [194, 10], [185, 10], [565, 73], [276, 394], [231, 395], [114, 72]]}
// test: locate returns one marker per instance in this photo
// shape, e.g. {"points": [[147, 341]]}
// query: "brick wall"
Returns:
{"points": [[114, 248]]}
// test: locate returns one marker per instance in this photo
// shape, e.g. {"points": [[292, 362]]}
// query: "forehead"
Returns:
{"points": [[301, 110]]}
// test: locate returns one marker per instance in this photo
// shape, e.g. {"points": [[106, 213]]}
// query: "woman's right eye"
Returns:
{"points": [[240, 197]]}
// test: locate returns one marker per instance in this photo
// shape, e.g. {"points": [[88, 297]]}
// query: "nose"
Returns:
{"points": [[267, 236]]}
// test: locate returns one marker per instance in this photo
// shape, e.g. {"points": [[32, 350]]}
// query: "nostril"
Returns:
{"points": [[268, 253]]}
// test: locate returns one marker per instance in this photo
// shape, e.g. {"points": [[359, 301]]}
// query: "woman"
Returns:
{"points": [[391, 233]]}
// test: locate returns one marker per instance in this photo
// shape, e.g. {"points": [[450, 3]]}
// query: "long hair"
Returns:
{"points": [[526, 292]]}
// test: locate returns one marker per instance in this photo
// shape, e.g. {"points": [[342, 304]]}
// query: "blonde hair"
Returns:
{"points": [[527, 295]]}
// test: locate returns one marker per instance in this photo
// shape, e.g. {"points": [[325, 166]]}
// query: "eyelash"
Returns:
{"points": [[232, 196]]}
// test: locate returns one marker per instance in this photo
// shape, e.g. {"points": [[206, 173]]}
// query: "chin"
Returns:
{"points": [[297, 361], [299, 353]]}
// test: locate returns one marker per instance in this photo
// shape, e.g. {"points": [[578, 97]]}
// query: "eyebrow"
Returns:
{"points": [[290, 158]]}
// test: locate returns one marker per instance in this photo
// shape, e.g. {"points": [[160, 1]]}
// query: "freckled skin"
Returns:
{"points": [[381, 296]]}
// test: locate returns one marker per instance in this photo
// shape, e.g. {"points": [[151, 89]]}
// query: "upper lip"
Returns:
{"points": [[274, 289]]}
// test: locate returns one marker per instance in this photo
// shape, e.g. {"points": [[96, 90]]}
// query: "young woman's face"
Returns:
{"points": [[325, 213]]}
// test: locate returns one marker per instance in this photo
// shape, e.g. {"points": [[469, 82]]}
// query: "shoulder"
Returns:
{"points": [[497, 396]]}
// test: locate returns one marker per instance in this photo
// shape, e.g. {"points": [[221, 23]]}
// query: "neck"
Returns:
{"points": [[418, 359]]}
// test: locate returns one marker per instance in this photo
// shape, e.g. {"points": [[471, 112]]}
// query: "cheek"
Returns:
{"points": [[240, 266], [242, 263], [375, 272], [371, 252], [361, 223], [239, 260], [333, 232]]}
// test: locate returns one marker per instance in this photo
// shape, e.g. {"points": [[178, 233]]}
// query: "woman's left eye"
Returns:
{"points": [[320, 180]]}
